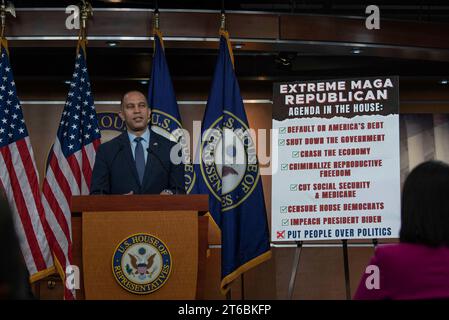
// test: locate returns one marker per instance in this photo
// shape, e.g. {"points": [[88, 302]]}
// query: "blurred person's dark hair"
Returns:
{"points": [[425, 205], [14, 283]]}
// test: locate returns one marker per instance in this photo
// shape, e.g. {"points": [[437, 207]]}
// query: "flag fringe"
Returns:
{"points": [[59, 268], [157, 32], [42, 274], [81, 45], [215, 226], [226, 281], [4, 44], [225, 34]]}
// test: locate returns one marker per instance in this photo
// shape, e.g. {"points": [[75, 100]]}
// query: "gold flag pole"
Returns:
{"points": [[4, 9], [224, 32], [156, 30], [156, 20], [86, 12], [223, 21]]}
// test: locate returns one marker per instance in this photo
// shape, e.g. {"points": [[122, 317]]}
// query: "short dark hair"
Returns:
{"points": [[425, 205], [129, 91]]}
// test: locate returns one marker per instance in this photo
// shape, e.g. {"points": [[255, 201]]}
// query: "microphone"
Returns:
{"points": [[171, 177]]}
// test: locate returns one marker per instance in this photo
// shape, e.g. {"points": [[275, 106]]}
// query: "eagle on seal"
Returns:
{"points": [[142, 267]]}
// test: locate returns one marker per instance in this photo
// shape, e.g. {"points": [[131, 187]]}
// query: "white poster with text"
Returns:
{"points": [[338, 174]]}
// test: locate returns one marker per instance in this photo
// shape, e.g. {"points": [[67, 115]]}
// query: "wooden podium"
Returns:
{"points": [[104, 225]]}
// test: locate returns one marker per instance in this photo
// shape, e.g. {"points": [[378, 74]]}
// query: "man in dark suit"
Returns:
{"points": [[138, 161]]}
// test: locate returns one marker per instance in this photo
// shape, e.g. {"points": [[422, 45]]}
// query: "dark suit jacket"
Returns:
{"points": [[115, 170]]}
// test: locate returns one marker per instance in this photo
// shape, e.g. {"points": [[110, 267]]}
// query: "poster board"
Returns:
{"points": [[338, 169]]}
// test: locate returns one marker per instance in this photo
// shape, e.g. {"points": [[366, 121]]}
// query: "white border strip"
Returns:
{"points": [[117, 102], [274, 13], [234, 40], [204, 102], [310, 245]]}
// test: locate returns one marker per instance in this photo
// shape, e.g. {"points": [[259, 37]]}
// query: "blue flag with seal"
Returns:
{"points": [[228, 171], [165, 118]]}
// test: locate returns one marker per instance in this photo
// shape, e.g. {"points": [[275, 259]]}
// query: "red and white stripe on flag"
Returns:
{"points": [[66, 177], [19, 177], [70, 164]]}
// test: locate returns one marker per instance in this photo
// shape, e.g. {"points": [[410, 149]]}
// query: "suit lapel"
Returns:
{"points": [[129, 156]]}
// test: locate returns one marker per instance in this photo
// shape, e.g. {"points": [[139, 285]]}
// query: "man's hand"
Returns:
{"points": [[166, 192], [129, 193]]}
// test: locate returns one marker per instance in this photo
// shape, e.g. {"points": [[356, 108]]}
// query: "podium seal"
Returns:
{"points": [[141, 263]]}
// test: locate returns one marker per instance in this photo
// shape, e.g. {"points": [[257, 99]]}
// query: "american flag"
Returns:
{"points": [[19, 177], [71, 161]]}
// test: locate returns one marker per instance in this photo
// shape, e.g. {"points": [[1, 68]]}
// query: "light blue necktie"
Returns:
{"points": [[139, 158]]}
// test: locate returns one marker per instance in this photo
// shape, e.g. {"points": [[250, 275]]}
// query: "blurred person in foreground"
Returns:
{"points": [[14, 276], [418, 266]]}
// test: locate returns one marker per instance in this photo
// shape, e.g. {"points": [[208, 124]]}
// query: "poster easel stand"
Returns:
{"points": [[295, 266], [291, 285], [242, 278], [346, 267]]}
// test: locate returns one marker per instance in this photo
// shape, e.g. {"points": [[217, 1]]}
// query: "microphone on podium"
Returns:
{"points": [[171, 177]]}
